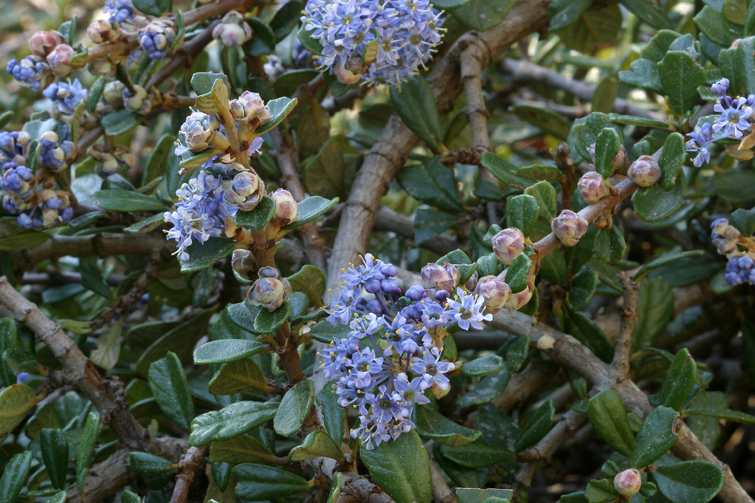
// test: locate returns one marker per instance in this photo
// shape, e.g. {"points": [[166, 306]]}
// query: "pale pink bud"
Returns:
{"points": [[443, 277], [244, 191], [232, 30], [43, 42], [592, 187], [628, 482], [102, 31], [344, 75], [60, 60], [242, 261], [269, 293], [520, 299], [495, 293], [569, 227], [507, 244], [644, 171], [286, 209]]}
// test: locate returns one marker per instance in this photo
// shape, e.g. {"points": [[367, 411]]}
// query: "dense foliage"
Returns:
{"points": [[459, 251]]}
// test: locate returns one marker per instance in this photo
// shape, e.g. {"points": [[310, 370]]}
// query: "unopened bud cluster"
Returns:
{"points": [[270, 290], [741, 265], [232, 30]]}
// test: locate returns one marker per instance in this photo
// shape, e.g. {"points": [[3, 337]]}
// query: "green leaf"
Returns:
{"points": [[562, 13], [588, 333], [671, 160], [430, 223], [537, 427], [432, 424], [595, 27], [153, 7], [91, 279], [333, 415], [23, 241], [605, 94], [86, 449], [517, 353], [472, 495], [324, 175], [582, 288], [478, 454], [664, 260], [294, 407], [678, 381], [517, 272], [432, 183], [316, 444], [14, 477], [637, 121], [309, 209], [268, 322], [656, 204], [120, 122], [158, 158], [601, 491], [649, 12], [171, 390], [680, 76], [229, 422], [238, 376], [401, 468], [585, 131], [610, 245], [655, 438], [226, 350], [546, 198], [55, 455], [744, 221], [58, 497], [609, 418], [241, 449], [716, 27], [15, 401], [482, 15], [488, 388], [734, 185], [655, 306], [729, 415], [259, 216], [483, 366], [6, 117], [689, 481], [415, 104], [642, 73], [687, 271], [310, 43], [203, 255], [540, 172], [129, 497], [261, 482], [522, 211], [606, 149], [548, 121], [503, 170], [311, 281], [126, 200], [263, 38], [180, 339], [279, 110], [735, 10], [286, 19], [156, 471]]}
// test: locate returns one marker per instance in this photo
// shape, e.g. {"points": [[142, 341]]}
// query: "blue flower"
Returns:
{"points": [[119, 11], [432, 369], [32, 72], [740, 270], [466, 310], [157, 37], [720, 87], [408, 394], [384, 407], [698, 143], [365, 366], [66, 95], [734, 115]]}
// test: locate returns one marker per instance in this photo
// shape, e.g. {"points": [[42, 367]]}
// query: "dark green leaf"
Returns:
{"points": [[606, 149], [120, 122], [545, 195], [517, 272], [14, 477], [582, 288], [689, 481], [125, 201], [716, 27], [678, 381], [203, 255], [610, 245], [734, 185], [642, 73], [153, 7], [55, 454], [537, 427], [432, 183], [311, 44], [649, 12], [744, 221], [671, 160], [171, 389], [241, 449], [664, 260], [655, 306], [309, 280], [687, 271], [286, 19], [562, 13], [332, 415], [155, 471], [588, 333], [294, 407], [680, 76], [547, 120], [415, 104], [268, 322], [472, 495], [261, 482], [432, 424], [316, 444], [325, 174], [483, 366], [540, 172], [637, 121], [279, 110], [259, 216], [263, 38], [656, 204], [522, 211], [430, 223], [309, 209], [129, 497], [594, 27], [609, 418], [488, 388], [226, 350], [481, 15], [23, 241], [601, 491], [517, 353], [232, 421], [86, 449], [729, 415], [655, 438], [479, 454], [401, 468], [238, 376]]}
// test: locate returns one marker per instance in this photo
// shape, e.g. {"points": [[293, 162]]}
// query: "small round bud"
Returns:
{"points": [[620, 160], [569, 227], [472, 281], [269, 293], [592, 187], [628, 482], [442, 277], [644, 171], [248, 107], [242, 261], [495, 293], [60, 60], [101, 66], [43, 42], [102, 31], [720, 87], [416, 293], [286, 209], [232, 30], [157, 37], [507, 244], [244, 191], [136, 101]]}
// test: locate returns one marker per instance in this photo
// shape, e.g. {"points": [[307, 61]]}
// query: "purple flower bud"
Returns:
{"points": [[507, 244], [388, 270], [720, 87], [286, 209], [101, 66], [644, 171], [157, 37], [60, 60], [269, 293], [390, 286], [268, 272], [472, 281], [569, 227], [43, 42], [628, 482], [232, 30], [372, 285], [495, 293], [443, 277], [242, 261], [442, 295], [374, 306], [244, 191], [620, 160], [592, 187], [416, 293]]}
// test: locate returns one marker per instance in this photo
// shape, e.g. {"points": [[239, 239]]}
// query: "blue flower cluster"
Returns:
{"points": [[66, 95], [33, 71], [200, 213], [384, 42], [733, 121], [741, 266], [393, 352], [120, 12]]}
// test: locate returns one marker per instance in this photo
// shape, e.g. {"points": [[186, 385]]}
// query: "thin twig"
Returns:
{"points": [[628, 320], [190, 464], [441, 492]]}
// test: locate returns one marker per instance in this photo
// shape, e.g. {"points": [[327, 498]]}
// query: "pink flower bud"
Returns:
{"points": [[43, 42], [507, 244], [102, 31], [520, 299], [569, 227], [60, 60], [592, 187], [344, 75], [249, 106], [495, 293], [286, 209], [472, 281], [443, 277], [628, 482], [242, 261], [269, 293], [644, 171]]}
